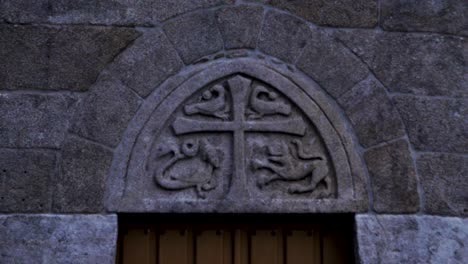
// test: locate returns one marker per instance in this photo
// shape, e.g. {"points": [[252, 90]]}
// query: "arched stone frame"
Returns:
{"points": [[350, 174], [342, 64]]}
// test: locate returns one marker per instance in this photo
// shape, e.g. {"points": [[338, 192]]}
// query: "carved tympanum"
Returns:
{"points": [[241, 133]]}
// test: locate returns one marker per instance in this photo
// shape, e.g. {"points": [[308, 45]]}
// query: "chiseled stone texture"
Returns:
{"points": [[444, 179], [421, 64], [25, 180], [435, 124], [194, 35], [393, 178], [83, 169], [148, 62], [57, 58], [283, 36], [33, 120], [124, 12], [54, 239], [331, 64], [104, 114], [240, 26], [78, 54], [341, 13], [444, 16], [24, 60], [392, 239], [371, 112]]}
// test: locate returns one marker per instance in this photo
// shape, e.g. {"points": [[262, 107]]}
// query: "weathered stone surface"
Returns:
{"points": [[331, 64], [283, 36], [194, 35], [124, 12], [392, 239], [99, 117], [24, 11], [393, 178], [341, 13], [435, 124], [444, 183], [371, 112], [78, 54], [24, 60], [240, 26], [444, 16], [34, 120], [25, 180], [236, 136], [83, 169], [58, 239], [412, 63], [147, 63]]}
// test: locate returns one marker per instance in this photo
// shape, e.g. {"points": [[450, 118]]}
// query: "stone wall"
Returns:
{"points": [[75, 76]]}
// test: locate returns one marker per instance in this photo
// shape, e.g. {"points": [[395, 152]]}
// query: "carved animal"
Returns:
{"points": [[212, 103], [264, 102], [291, 163], [192, 165]]}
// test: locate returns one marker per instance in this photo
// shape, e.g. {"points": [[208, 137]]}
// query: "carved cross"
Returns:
{"points": [[239, 88]]}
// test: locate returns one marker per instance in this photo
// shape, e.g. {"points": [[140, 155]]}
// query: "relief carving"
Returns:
{"points": [[246, 110]]}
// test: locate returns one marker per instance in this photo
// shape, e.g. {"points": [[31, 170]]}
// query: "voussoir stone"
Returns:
{"points": [[147, 63], [371, 112], [283, 36], [341, 13], [100, 118], [394, 239], [435, 124], [54, 239], [444, 16], [34, 120], [393, 178], [81, 182], [24, 57], [444, 183], [421, 64], [194, 35], [331, 64], [240, 26], [24, 11], [79, 53], [25, 180]]}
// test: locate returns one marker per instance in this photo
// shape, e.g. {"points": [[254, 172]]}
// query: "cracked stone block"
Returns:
{"points": [[443, 16], [100, 118], [146, 63], [25, 180], [82, 179], [194, 35], [393, 178], [341, 13], [240, 26], [435, 124], [54, 239], [392, 239], [79, 53], [419, 64], [283, 36], [333, 66], [371, 112], [444, 183], [34, 120], [24, 57]]}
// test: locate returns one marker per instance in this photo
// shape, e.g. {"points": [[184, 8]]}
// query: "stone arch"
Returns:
{"points": [[322, 58]]}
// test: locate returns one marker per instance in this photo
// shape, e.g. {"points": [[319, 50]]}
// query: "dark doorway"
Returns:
{"points": [[236, 239]]}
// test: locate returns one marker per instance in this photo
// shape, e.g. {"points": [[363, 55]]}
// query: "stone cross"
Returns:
{"points": [[239, 88]]}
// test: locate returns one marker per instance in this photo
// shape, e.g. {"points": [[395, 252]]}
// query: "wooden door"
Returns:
{"points": [[235, 242]]}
